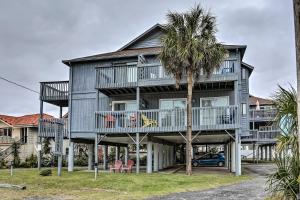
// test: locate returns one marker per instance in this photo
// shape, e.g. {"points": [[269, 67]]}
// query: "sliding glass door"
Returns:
{"points": [[174, 112]]}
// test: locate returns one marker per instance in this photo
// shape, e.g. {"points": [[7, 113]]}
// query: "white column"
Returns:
{"points": [[233, 157], [165, 157], [168, 155], [155, 156], [238, 163], [126, 155], [104, 152], [90, 156], [71, 157], [160, 157], [225, 154], [149, 157], [117, 151]]}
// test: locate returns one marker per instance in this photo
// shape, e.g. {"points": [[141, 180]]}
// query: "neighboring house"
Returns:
{"points": [[263, 131], [125, 97], [23, 130]]}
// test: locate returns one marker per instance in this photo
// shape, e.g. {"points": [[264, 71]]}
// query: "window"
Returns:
{"points": [[244, 109], [23, 136], [243, 73], [6, 132]]}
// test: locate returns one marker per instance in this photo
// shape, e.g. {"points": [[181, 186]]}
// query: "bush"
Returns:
{"points": [[3, 164], [46, 172], [81, 161]]}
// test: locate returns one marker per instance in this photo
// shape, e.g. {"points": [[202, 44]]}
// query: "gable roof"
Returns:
{"points": [[125, 51], [26, 120], [250, 67], [262, 101]]}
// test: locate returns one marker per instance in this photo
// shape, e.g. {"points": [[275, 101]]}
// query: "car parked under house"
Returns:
{"points": [[125, 97]]}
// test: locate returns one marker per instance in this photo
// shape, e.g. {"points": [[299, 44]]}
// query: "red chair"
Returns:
{"points": [[110, 121], [128, 167], [117, 166]]}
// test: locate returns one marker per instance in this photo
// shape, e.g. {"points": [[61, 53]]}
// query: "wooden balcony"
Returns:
{"points": [[166, 120], [56, 92], [153, 74], [263, 135], [262, 115], [49, 127]]}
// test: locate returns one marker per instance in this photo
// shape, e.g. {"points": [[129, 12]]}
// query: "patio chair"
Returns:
{"points": [[110, 121], [128, 167], [148, 122], [116, 167]]}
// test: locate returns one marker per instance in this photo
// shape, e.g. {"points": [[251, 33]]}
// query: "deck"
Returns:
{"points": [[49, 127], [262, 115], [166, 120], [264, 135], [56, 92], [154, 74]]}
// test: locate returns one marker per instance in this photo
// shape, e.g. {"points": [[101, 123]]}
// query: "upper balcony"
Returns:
{"points": [[132, 75], [166, 120], [56, 92], [262, 115]]}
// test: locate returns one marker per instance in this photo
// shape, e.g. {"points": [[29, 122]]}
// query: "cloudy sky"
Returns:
{"points": [[35, 35]]}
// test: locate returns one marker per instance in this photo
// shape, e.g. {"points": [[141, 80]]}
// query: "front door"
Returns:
{"points": [[123, 118], [173, 113]]}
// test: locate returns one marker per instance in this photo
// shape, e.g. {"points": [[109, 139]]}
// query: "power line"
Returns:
{"points": [[22, 86]]}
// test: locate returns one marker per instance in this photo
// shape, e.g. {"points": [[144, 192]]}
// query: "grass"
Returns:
{"points": [[81, 184]]}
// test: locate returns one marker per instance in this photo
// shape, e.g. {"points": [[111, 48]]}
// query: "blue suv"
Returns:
{"points": [[209, 159]]}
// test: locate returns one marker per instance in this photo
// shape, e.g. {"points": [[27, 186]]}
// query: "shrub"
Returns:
{"points": [[3, 164], [46, 172]]}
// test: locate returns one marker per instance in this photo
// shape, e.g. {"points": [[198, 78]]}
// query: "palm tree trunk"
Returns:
{"points": [[189, 124], [297, 40]]}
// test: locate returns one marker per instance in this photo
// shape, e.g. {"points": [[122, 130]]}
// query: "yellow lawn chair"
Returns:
{"points": [[148, 122]]}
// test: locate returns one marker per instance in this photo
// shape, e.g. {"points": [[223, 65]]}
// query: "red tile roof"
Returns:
{"points": [[26, 120], [262, 101]]}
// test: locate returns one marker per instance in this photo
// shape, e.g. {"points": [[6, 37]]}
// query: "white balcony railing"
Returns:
{"points": [[262, 115], [49, 127], [166, 120]]}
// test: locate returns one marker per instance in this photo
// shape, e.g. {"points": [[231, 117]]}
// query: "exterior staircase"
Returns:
{"points": [[8, 151]]}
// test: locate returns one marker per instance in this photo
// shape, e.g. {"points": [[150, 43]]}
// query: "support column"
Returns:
{"points": [[39, 142], [137, 153], [233, 157], [261, 153], [90, 156], [164, 157], [253, 152], [71, 157], [225, 154], [155, 157], [160, 157], [96, 154], [126, 155], [117, 153], [104, 152], [149, 157], [266, 152], [270, 153], [238, 163]]}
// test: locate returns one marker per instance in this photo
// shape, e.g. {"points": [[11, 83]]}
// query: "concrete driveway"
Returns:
{"points": [[250, 190]]}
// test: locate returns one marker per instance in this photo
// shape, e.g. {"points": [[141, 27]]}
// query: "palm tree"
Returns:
{"points": [[296, 4], [284, 181], [190, 46]]}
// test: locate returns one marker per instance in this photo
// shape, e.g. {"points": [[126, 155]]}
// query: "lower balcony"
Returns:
{"points": [[263, 135], [49, 127], [166, 120]]}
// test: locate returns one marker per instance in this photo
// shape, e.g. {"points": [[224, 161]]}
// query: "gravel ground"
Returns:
{"points": [[251, 190]]}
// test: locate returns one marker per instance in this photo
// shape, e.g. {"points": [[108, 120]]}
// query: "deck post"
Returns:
{"points": [[137, 153], [226, 156], [238, 171], [233, 157], [96, 155], [270, 153], [39, 143], [160, 156], [261, 153], [59, 157], [117, 151], [90, 156], [253, 152], [71, 157], [104, 150], [149, 156], [126, 155], [155, 156], [266, 152]]}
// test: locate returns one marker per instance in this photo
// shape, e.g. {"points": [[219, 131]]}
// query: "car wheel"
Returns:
{"points": [[195, 164], [220, 164]]}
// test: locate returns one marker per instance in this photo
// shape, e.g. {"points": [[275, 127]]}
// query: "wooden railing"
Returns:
{"points": [[6, 140], [262, 115], [130, 75], [166, 120], [263, 135], [55, 91], [49, 127]]}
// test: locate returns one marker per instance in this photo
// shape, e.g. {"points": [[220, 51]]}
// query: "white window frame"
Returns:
{"points": [[115, 102]]}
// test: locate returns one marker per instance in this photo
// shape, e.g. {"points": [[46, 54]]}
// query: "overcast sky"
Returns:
{"points": [[35, 35]]}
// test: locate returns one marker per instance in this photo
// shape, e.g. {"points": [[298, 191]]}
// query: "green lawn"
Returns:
{"points": [[81, 185]]}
